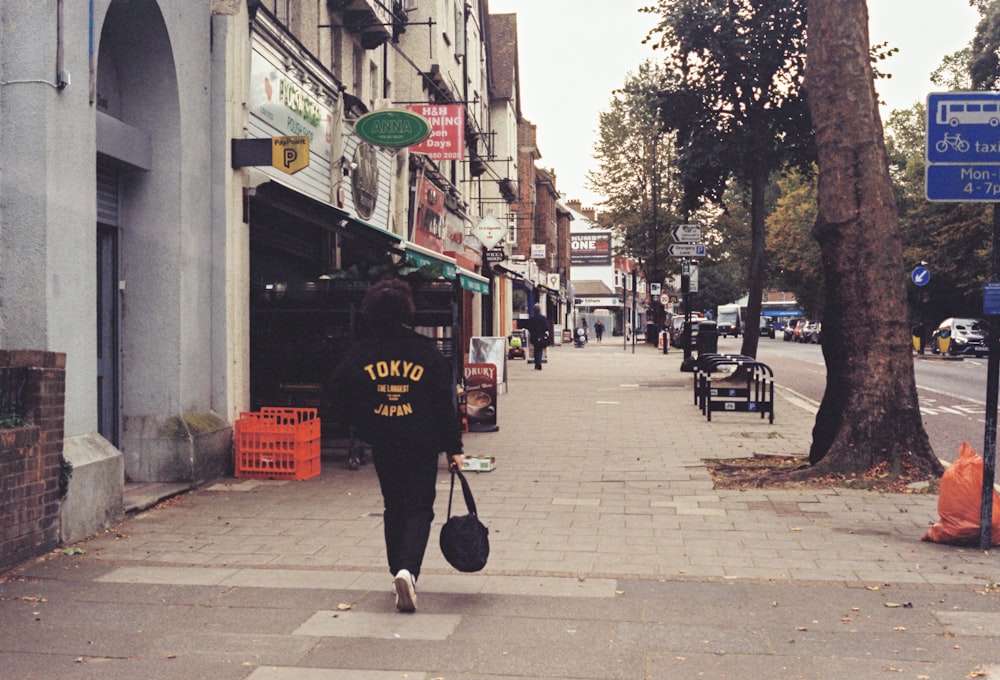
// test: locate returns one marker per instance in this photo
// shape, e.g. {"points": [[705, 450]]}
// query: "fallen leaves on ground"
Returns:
{"points": [[763, 471]]}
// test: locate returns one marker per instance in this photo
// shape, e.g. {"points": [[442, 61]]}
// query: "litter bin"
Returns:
{"points": [[918, 338], [944, 340], [708, 337]]}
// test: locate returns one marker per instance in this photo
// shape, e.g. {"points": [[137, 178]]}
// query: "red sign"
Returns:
{"points": [[447, 140], [429, 227]]}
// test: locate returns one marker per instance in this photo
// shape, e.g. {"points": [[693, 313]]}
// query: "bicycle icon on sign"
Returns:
{"points": [[952, 141]]}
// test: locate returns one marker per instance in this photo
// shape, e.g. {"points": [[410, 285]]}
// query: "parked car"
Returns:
{"points": [[805, 333], [788, 332], [815, 336], [794, 328], [767, 327], [677, 330], [959, 337]]}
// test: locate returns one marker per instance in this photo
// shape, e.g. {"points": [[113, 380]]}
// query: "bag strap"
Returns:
{"points": [[470, 502]]}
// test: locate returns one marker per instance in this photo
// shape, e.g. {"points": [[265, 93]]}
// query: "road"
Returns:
{"points": [[952, 392]]}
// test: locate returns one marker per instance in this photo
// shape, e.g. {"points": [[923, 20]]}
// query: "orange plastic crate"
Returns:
{"points": [[277, 443]]}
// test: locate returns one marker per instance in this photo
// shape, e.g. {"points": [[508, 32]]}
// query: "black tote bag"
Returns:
{"points": [[464, 539]]}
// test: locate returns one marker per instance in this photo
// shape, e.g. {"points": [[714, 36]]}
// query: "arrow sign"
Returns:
{"points": [[920, 276], [686, 249], [687, 233]]}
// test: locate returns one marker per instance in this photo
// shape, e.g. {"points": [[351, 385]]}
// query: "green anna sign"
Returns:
{"points": [[393, 128]]}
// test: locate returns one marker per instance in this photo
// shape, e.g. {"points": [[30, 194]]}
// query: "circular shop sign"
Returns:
{"points": [[394, 128]]}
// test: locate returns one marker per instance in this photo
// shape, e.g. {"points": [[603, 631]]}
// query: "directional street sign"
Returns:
{"points": [[920, 275], [963, 147], [687, 233], [686, 249]]}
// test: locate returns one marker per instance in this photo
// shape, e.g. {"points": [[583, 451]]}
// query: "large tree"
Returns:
{"points": [[869, 416], [736, 103], [637, 174]]}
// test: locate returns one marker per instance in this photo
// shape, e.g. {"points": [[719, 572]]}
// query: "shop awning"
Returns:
{"points": [[385, 233], [473, 282], [422, 257], [289, 200], [509, 273]]}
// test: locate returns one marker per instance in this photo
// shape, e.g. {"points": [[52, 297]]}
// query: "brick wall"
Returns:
{"points": [[30, 460]]}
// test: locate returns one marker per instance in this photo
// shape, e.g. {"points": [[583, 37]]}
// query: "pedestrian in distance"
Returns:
{"points": [[599, 330], [397, 389], [541, 335]]}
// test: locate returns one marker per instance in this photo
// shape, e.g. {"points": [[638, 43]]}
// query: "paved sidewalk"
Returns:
{"points": [[612, 557]]}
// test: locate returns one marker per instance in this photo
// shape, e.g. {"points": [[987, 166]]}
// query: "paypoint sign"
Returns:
{"points": [[290, 153]]}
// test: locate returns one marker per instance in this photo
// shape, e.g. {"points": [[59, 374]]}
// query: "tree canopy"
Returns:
{"points": [[734, 97]]}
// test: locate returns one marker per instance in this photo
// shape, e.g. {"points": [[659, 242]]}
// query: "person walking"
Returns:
{"points": [[398, 390], [599, 330], [541, 335]]}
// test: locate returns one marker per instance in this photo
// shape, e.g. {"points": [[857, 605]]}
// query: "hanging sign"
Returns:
{"points": [[393, 128], [490, 231], [447, 138], [290, 153]]}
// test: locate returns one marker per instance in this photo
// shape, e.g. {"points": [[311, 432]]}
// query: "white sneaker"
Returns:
{"points": [[406, 594]]}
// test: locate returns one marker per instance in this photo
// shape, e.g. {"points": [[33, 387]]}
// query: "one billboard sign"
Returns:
{"points": [[592, 248]]}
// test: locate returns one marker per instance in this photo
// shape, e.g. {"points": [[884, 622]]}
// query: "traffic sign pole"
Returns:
{"points": [[963, 164], [992, 386]]}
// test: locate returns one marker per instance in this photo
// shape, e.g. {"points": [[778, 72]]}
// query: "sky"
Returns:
{"points": [[573, 53]]}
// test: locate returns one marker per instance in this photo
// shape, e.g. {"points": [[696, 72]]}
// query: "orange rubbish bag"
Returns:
{"points": [[961, 502]]}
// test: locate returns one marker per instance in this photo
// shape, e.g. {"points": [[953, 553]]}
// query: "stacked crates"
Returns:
{"points": [[277, 443]]}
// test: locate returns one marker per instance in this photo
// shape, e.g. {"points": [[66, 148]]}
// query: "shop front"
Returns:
{"points": [[319, 236], [442, 231]]}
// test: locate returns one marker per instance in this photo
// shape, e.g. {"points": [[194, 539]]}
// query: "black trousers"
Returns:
{"points": [[539, 355], [407, 479]]}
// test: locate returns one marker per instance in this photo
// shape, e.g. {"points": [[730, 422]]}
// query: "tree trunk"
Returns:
{"points": [[869, 414], [755, 284]]}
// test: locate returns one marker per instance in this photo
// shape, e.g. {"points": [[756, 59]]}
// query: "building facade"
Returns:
{"points": [[160, 225]]}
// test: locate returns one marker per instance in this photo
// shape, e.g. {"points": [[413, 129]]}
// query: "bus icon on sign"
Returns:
{"points": [[963, 128], [955, 112]]}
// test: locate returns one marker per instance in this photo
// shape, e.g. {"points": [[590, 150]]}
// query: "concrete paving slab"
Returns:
{"points": [[395, 625]]}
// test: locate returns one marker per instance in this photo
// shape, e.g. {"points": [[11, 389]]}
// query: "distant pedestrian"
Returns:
{"points": [[397, 388], [541, 335], [599, 330]]}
